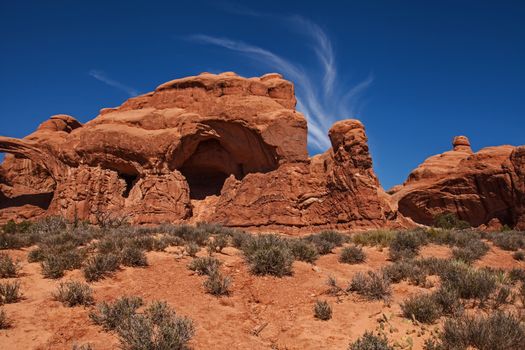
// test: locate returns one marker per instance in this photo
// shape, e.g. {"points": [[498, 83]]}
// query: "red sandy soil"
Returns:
{"points": [[281, 308]]}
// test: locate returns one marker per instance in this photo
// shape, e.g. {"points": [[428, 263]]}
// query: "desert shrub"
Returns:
{"points": [[508, 240], [473, 251], [197, 235], [216, 284], [192, 249], [517, 274], [111, 315], [503, 296], [449, 221], [519, 255], [333, 287], [274, 260], [422, 308], [161, 329], [371, 285], [217, 243], [36, 255], [470, 283], [412, 270], [449, 301], [10, 292], [5, 322], [303, 250], [205, 266], [13, 227], [369, 341], [239, 238], [11, 241], [132, 256], [493, 332], [352, 255], [268, 255], [322, 310], [73, 293], [99, 266], [406, 245], [54, 263], [8, 267], [326, 241], [381, 238]]}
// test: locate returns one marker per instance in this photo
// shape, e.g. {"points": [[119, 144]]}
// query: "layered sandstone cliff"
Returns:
{"points": [[216, 148]]}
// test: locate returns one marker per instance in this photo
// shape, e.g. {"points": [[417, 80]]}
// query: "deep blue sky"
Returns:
{"points": [[429, 69]]}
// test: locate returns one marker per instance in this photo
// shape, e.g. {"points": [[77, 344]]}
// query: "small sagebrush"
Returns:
{"points": [[134, 257], [111, 315], [322, 310], [423, 308], [369, 341], [217, 285], [205, 265], [352, 255], [73, 293], [303, 250], [192, 249], [5, 322], [371, 285], [158, 328], [8, 267], [10, 292], [406, 245], [99, 266]]}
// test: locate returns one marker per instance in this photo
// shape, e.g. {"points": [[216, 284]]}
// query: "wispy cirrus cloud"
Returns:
{"points": [[101, 76], [321, 96]]}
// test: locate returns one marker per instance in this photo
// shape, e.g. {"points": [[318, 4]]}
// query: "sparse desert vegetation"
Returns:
{"points": [[428, 288]]}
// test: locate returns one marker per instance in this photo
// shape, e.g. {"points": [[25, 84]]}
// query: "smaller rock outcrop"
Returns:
{"points": [[484, 188]]}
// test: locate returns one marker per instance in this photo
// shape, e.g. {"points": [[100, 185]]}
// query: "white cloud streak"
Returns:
{"points": [[101, 76], [322, 100]]}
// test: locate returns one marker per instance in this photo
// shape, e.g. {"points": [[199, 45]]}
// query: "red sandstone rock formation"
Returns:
{"points": [[212, 147], [483, 188]]}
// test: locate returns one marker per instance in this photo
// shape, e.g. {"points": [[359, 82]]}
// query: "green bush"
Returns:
{"points": [[8, 267], [73, 293], [470, 283], [134, 257], [268, 255], [100, 266], [493, 332], [322, 310], [406, 245], [449, 221], [5, 322], [205, 266], [381, 238], [111, 315], [275, 260], [158, 329], [217, 285], [352, 255], [303, 250], [369, 341], [423, 308], [371, 285], [10, 292]]}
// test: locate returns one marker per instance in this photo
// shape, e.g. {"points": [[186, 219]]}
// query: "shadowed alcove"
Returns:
{"points": [[208, 158]]}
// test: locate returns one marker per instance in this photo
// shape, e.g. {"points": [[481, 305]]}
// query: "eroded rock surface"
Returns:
{"points": [[212, 147], [484, 188]]}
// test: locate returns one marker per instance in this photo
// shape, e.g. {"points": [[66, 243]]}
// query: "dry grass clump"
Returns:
{"points": [[8, 267], [73, 293], [372, 285], [352, 255], [10, 292], [111, 315], [322, 310], [379, 238]]}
